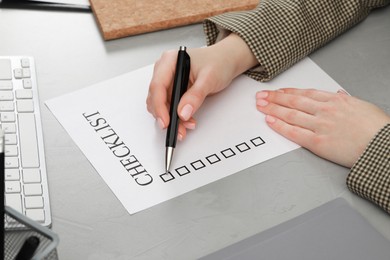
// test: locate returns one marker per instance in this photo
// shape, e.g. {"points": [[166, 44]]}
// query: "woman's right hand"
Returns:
{"points": [[212, 69]]}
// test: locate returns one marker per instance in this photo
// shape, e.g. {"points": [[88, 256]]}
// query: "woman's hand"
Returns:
{"points": [[334, 126], [212, 70]]}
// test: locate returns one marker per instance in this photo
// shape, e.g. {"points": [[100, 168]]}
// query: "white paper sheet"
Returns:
{"points": [[110, 124]]}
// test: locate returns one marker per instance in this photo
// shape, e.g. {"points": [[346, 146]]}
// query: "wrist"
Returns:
{"points": [[236, 53]]}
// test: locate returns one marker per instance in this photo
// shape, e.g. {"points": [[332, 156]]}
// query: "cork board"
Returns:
{"points": [[121, 18]]}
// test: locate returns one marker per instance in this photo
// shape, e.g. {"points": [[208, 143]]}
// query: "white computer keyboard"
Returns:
{"points": [[26, 186]]}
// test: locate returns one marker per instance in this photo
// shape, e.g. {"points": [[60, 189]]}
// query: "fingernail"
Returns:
{"points": [[186, 112], [261, 94], [180, 137], [189, 125], [160, 123], [342, 91], [270, 119], [261, 102]]}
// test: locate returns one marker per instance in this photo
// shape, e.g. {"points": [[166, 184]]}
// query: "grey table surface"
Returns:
{"points": [[92, 224]]}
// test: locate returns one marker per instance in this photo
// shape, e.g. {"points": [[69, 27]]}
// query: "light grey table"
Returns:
{"points": [[70, 54]]}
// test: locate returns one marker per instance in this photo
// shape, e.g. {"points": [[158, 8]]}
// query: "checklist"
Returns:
{"points": [[110, 124]]}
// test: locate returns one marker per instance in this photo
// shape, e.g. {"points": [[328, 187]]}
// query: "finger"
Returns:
{"points": [[181, 132], [191, 101], [164, 68], [288, 115], [190, 124], [160, 86], [182, 128], [318, 95], [157, 97], [158, 106], [296, 134], [298, 102], [342, 91]]}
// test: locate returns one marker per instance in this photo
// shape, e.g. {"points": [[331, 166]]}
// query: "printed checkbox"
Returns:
{"points": [[182, 170], [167, 176], [213, 159], [243, 147], [257, 141], [197, 165], [228, 153]]}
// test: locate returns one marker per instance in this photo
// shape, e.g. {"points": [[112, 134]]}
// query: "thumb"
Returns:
{"points": [[190, 102]]}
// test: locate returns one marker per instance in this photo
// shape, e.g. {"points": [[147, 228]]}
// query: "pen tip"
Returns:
{"points": [[168, 158]]}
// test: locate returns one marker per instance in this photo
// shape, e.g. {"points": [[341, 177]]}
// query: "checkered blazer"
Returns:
{"points": [[280, 33]]}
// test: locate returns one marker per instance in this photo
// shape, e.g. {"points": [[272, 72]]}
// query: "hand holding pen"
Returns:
{"points": [[212, 70]]}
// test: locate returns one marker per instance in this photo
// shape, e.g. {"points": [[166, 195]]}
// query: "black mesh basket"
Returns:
{"points": [[19, 229]]}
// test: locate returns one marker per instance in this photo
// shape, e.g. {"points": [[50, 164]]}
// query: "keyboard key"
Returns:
{"points": [[32, 189], [25, 105], [5, 69], [36, 214], [6, 85], [10, 139], [7, 106], [18, 73], [31, 175], [23, 93], [27, 83], [26, 73], [33, 202], [11, 174], [14, 201], [6, 95], [11, 150], [28, 140], [7, 117], [11, 162], [9, 128], [12, 187], [25, 63]]}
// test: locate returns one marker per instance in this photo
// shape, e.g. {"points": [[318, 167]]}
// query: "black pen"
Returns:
{"points": [[179, 87]]}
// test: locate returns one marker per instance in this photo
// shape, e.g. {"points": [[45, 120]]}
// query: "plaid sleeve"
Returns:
{"points": [[370, 175], [281, 32]]}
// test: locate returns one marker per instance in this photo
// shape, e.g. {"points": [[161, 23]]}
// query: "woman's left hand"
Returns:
{"points": [[334, 126]]}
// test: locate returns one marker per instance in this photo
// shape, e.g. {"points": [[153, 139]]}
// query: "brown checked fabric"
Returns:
{"points": [[370, 176], [282, 32]]}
